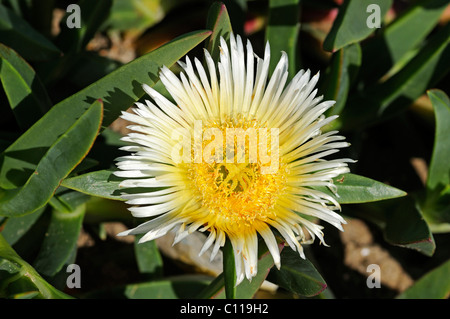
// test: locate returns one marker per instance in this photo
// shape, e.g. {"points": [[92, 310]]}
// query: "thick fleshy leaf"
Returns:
{"points": [[138, 15], [433, 285], [26, 94], [118, 90], [19, 35], [439, 171], [73, 40], [435, 208], [19, 279], [102, 183], [99, 183], [181, 287], [398, 92], [399, 38], [422, 73], [340, 76], [246, 289], [91, 67], [434, 202], [219, 22], [177, 287], [92, 15], [38, 13], [59, 160], [352, 23], [298, 275], [148, 258], [282, 31], [353, 189], [15, 227], [406, 227], [100, 210], [60, 241], [67, 200]]}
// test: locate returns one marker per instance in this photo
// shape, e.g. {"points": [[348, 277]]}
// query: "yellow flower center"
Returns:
{"points": [[236, 191]]}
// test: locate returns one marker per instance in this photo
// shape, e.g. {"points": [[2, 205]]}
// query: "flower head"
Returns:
{"points": [[233, 154]]}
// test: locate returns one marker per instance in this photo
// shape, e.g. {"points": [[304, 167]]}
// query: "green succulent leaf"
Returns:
{"points": [[138, 15], [18, 279], [148, 258], [439, 171], [67, 200], [219, 22], [353, 189], [420, 74], [73, 40], [60, 241], [99, 183], [351, 24], [406, 227], [100, 210], [26, 94], [92, 16], [398, 92], [298, 275], [118, 90], [91, 67], [15, 227], [59, 160], [38, 13], [166, 289], [400, 37], [176, 287], [434, 201], [20, 36], [282, 31], [433, 285], [340, 76]]}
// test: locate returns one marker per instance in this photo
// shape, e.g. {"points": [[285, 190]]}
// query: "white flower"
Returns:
{"points": [[193, 185]]}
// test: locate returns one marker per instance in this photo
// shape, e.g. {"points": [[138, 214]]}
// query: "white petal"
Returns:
{"points": [[271, 244], [209, 241]]}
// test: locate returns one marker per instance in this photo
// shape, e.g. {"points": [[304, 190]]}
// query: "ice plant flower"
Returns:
{"points": [[234, 153]]}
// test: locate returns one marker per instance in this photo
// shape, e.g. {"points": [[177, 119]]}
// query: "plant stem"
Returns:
{"points": [[229, 270]]}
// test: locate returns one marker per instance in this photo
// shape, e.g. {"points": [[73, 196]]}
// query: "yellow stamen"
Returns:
{"points": [[236, 193]]}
